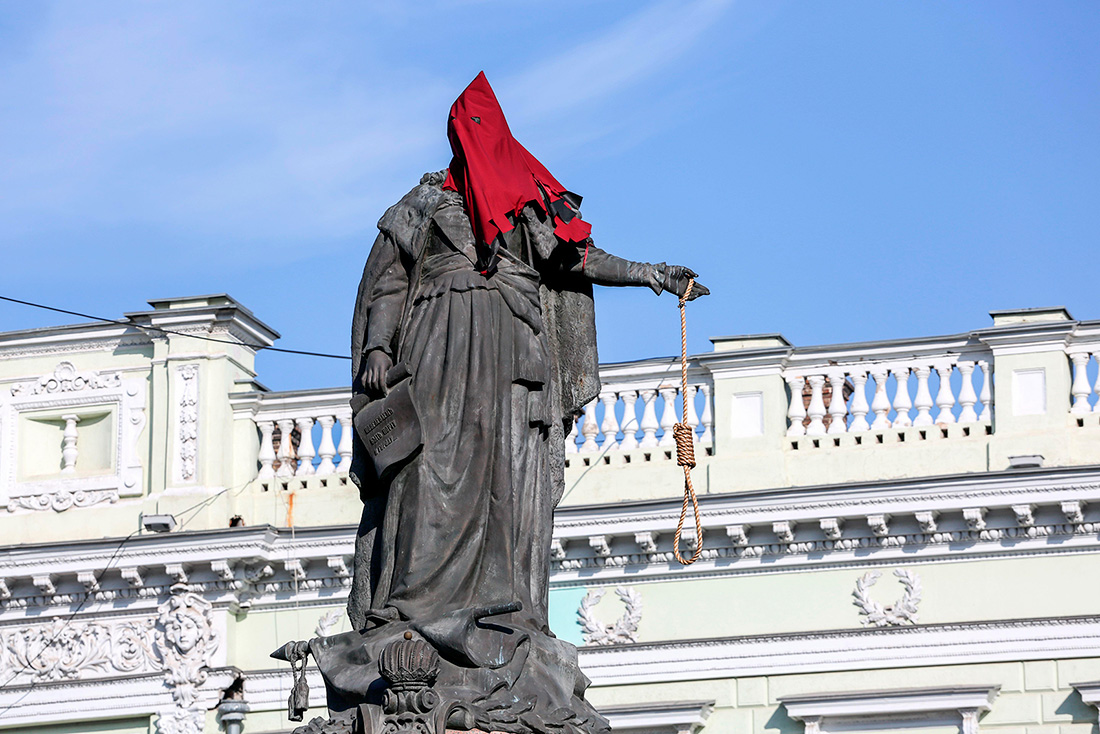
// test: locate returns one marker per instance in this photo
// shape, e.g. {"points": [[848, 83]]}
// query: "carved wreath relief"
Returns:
{"points": [[901, 612], [625, 628]]}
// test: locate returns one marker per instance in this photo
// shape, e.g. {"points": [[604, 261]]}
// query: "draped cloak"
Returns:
{"points": [[564, 320]]}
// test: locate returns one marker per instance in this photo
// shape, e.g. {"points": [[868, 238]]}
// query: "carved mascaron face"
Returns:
{"points": [[184, 631]]}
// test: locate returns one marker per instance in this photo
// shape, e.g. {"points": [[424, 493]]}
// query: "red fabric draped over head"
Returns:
{"points": [[496, 175]]}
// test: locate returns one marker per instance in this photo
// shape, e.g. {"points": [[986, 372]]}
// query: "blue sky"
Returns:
{"points": [[836, 172]]}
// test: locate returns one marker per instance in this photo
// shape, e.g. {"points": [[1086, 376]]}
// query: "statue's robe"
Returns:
{"points": [[501, 364]]}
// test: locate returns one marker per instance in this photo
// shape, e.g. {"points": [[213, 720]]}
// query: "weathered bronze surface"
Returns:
{"points": [[460, 467]]}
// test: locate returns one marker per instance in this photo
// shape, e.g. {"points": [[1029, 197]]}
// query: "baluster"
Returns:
{"points": [[796, 411], [630, 420], [1096, 387], [266, 455], [967, 397], [902, 403], [610, 425], [305, 447], [68, 443], [693, 417], [945, 399], [668, 416], [838, 407], [649, 419], [986, 395], [344, 449], [880, 404], [859, 401], [1080, 388], [590, 429], [571, 439], [707, 418], [327, 449], [817, 406], [924, 396], [286, 448]]}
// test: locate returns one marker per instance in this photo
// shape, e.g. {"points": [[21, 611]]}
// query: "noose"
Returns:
{"points": [[685, 445]]}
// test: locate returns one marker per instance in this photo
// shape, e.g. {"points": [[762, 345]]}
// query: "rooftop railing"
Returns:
{"points": [[1030, 375]]}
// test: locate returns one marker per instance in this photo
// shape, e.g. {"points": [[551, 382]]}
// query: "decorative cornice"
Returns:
{"points": [[839, 650]]}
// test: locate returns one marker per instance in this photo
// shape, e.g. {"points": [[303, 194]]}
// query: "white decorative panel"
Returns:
{"points": [[1029, 392], [187, 423], [747, 416]]}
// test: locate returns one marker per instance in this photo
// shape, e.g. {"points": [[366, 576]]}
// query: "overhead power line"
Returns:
{"points": [[161, 330]]}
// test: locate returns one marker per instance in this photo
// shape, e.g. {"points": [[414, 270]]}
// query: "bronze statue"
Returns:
{"points": [[476, 302]]}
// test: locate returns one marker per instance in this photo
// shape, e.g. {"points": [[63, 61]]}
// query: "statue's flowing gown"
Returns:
{"points": [[467, 523]]}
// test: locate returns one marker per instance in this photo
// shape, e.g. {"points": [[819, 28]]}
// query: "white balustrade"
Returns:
{"points": [[266, 454], [630, 420], [945, 399], [285, 454], [796, 413], [590, 429], [327, 449], [344, 449], [838, 407], [647, 417], [817, 406], [859, 402], [68, 444], [881, 404], [902, 403], [923, 401], [986, 395], [313, 431], [610, 425], [305, 447], [883, 395], [1080, 390], [669, 418]]}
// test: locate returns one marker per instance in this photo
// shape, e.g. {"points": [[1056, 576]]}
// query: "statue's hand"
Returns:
{"points": [[374, 376], [676, 281]]}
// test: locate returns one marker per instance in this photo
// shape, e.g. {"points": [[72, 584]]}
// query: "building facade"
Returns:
{"points": [[920, 554]]}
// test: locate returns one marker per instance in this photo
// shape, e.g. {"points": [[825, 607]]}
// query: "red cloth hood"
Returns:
{"points": [[496, 175]]}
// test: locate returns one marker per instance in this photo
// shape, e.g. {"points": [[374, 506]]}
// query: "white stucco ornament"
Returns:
{"points": [[625, 628], [901, 612], [185, 642]]}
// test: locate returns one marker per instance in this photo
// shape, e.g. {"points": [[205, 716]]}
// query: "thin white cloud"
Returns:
{"points": [[627, 54], [182, 118]]}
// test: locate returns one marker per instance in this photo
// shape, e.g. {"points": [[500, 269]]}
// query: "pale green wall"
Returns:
{"points": [[1035, 697], [137, 725]]}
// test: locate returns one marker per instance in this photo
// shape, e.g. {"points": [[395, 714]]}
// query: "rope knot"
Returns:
{"points": [[685, 444]]}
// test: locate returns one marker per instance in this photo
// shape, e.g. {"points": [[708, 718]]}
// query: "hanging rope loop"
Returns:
{"points": [[685, 446]]}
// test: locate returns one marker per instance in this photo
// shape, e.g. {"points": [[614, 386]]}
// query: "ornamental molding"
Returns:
{"points": [[185, 643], [903, 611], [834, 651], [122, 393], [187, 422], [180, 643], [58, 650], [962, 705], [62, 500], [623, 630], [65, 379], [956, 492]]}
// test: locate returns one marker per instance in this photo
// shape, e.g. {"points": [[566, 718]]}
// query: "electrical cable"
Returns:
{"points": [[143, 327]]}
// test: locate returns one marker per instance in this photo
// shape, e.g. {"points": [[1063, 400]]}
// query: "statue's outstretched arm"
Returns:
{"points": [[603, 268]]}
